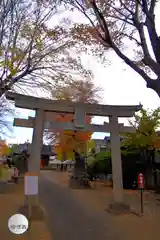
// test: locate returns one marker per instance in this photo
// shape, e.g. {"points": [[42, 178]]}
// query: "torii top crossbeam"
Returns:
{"points": [[29, 102]]}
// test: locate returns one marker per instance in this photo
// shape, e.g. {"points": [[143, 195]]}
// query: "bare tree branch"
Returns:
{"points": [[6, 111], [28, 45], [133, 18]]}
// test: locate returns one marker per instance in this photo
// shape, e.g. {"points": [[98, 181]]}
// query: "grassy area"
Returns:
{"points": [[10, 203]]}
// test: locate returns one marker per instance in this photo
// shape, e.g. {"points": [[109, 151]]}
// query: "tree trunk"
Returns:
{"points": [[149, 173], [149, 180], [155, 178], [64, 156]]}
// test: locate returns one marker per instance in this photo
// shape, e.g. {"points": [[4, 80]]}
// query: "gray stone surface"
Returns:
{"points": [[68, 219], [36, 212], [78, 183], [119, 208], [3, 187]]}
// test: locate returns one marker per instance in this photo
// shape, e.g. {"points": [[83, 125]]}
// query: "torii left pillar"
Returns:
{"points": [[37, 140], [32, 201]]}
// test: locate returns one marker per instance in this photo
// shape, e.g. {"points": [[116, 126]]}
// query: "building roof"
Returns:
{"points": [[108, 138], [46, 149], [98, 141]]}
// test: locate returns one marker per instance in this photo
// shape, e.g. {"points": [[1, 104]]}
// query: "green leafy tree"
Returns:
{"points": [[146, 135], [13, 149], [103, 162], [146, 139]]}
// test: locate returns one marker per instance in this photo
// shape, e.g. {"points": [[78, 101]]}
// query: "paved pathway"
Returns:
{"points": [[67, 218]]}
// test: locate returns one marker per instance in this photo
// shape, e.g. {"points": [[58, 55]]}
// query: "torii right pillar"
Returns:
{"points": [[118, 205]]}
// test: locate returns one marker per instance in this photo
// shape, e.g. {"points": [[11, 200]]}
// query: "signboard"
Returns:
{"points": [[140, 181], [79, 120], [31, 184]]}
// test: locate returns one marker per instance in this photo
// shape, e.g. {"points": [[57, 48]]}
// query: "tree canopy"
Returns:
{"points": [[79, 91], [119, 24], [13, 149], [147, 135], [33, 54]]}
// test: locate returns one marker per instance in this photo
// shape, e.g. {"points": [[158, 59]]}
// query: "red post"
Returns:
{"points": [[141, 188], [140, 181]]}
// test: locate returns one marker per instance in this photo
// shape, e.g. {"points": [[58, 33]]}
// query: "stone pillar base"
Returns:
{"points": [[119, 208], [36, 214]]}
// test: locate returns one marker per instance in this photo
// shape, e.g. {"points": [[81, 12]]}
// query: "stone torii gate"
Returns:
{"points": [[44, 119]]}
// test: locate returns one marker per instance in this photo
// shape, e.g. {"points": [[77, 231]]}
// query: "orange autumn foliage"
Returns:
{"points": [[70, 140]]}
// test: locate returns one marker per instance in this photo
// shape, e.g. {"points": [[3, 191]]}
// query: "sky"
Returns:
{"points": [[121, 86]]}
